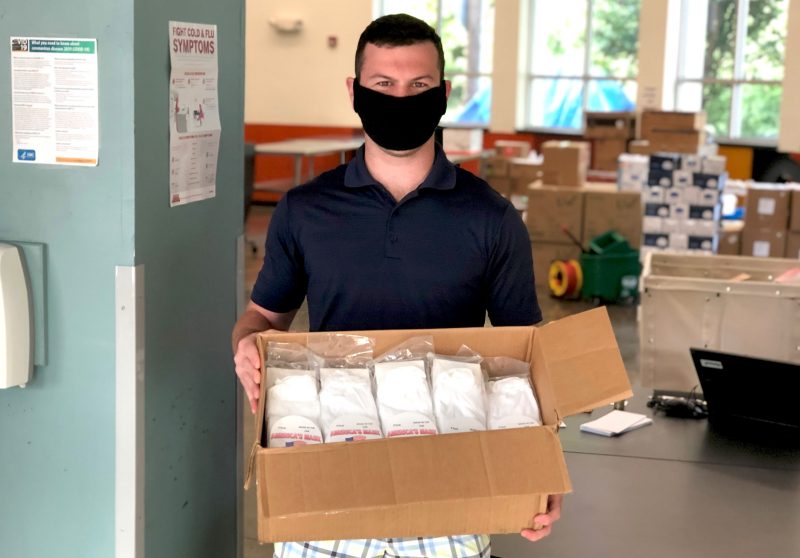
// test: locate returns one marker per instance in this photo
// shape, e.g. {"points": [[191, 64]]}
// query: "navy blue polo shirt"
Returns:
{"points": [[443, 256]]}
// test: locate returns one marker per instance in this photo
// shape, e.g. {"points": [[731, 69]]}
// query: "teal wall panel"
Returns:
{"points": [[189, 258], [57, 435]]}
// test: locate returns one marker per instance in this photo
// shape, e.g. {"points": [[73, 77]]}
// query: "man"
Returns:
{"points": [[398, 238]]}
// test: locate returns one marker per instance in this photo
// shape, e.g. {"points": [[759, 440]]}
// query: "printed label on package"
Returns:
{"points": [[460, 424], [293, 430], [350, 428], [410, 424], [513, 421]]}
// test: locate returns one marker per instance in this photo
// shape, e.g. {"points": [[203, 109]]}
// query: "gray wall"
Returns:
{"points": [[57, 435]]}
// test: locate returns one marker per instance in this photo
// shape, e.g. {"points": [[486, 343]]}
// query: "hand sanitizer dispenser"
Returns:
{"points": [[16, 362]]}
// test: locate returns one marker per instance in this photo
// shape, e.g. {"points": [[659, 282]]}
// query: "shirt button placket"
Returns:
{"points": [[392, 240]]}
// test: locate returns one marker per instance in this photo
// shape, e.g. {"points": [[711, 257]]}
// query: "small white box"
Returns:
{"points": [[653, 194], [462, 139], [707, 197], [691, 194], [652, 224], [674, 196], [714, 164], [704, 212], [691, 162], [680, 211], [705, 228], [671, 226], [681, 178], [679, 241]]}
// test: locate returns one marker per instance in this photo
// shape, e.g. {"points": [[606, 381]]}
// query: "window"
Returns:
{"points": [[583, 56], [731, 65], [467, 31]]}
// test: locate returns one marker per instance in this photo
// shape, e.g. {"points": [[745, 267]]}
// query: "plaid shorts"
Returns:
{"points": [[464, 546]]}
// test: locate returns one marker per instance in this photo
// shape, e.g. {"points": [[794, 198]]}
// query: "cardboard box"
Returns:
{"points": [[794, 222], [551, 208], [663, 210], [715, 164], [521, 187], [763, 243], [652, 225], [427, 486], [462, 140], [677, 141], [730, 238], [692, 162], [543, 255], [654, 194], [639, 147], [653, 120], [665, 162], [657, 240], [767, 207], [661, 178], [704, 212], [605, 153], [526, 170], [681, 179], [497, 166], [512, 148], [612, 210], [502, 184], [605, 125], [704, 243], [793, 245], [709, 181], [565, 162]]}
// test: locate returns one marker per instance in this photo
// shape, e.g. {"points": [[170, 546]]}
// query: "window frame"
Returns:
{"points": [[586, 77], [736, 82]]}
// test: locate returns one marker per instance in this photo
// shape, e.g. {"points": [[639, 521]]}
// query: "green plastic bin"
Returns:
{"points": [[611, 277], [610, 242]]}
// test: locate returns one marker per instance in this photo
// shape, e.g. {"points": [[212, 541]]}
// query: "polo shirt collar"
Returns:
{"points": [[442, 175]]}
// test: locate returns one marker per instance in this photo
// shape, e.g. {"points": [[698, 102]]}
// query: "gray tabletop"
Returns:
{"points": [[625, 506]]}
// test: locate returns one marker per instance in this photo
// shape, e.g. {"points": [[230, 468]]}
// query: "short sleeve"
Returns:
{"points": [[512, 293], [282, 282]]}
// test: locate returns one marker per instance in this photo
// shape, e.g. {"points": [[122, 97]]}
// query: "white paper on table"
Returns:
{"points": [[616, 423]]}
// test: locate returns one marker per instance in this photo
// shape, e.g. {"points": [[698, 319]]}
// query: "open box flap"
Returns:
{"points": [[582, 357]]}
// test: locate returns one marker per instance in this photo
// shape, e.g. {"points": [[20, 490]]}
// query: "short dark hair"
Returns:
{"points": [[398, 30]]}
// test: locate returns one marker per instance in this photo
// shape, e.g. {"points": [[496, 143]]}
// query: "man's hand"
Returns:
{"points": [[248, 368], [544, 521], [245, 353]]}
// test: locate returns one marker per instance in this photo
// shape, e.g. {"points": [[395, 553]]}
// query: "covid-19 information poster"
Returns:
{"points": [[193, 112], [54, 101]]}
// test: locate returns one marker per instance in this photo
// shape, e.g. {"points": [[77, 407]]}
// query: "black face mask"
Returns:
{"points": [[399, 123]]}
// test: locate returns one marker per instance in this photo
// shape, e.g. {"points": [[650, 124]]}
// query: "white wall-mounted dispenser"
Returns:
{"points": [[16, 331]]}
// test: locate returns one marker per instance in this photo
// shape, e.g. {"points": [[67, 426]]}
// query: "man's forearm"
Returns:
{"points": [[249, 322]]}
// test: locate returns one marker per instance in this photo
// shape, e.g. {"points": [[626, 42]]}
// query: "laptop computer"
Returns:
{"points": [[748, 393]]}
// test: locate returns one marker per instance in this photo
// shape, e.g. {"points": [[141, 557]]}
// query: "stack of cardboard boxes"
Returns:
{"points": [[585, 212], [772, 219], [677, 132], [681, 194], [566, 163], [610, 133]]}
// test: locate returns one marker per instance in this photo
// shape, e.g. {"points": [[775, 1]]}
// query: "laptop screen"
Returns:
{"points": [[739, 388]]}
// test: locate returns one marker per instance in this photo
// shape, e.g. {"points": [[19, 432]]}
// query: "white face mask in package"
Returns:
{"points": [[458, 395], [348, 406], [293, 408], [512, 403], [404, 398]]}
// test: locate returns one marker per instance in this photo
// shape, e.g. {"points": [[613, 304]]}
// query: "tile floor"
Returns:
{"points": [[622, 317]]}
